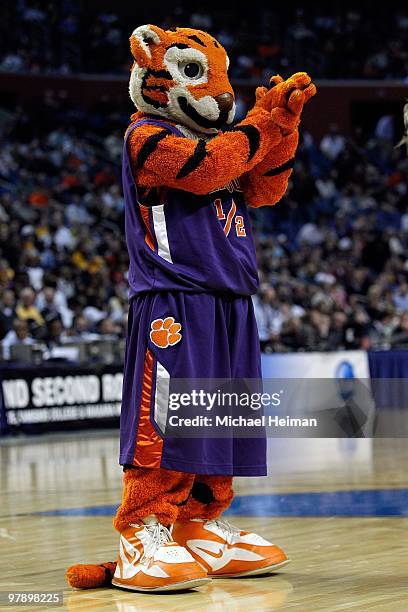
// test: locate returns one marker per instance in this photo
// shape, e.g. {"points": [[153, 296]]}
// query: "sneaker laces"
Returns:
{"points": [[231, 532], [159, 536]]}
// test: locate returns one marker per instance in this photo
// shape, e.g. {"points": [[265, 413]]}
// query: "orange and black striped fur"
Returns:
{"points": [[181, 77]]}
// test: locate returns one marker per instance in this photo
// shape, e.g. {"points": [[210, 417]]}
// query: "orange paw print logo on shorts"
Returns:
{"points": [[165, 332]]}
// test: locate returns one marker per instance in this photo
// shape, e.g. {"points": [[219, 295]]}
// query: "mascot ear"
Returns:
{"points": [[141, 41]]}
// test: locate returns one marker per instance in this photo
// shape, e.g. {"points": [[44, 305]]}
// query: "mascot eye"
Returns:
{"points": [[192, 70]]}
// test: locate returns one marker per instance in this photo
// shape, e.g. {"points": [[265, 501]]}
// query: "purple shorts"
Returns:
{"points": [[186, 335]]}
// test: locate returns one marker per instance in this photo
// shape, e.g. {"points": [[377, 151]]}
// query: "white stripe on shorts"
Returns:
{"points": [[161, 397]]}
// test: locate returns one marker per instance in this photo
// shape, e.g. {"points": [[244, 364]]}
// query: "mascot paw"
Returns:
{"points": [[285, 99], [90, 576]]}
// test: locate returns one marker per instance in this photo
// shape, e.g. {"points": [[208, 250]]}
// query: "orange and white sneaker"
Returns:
{"points": [[228, 552], [149, 560]]}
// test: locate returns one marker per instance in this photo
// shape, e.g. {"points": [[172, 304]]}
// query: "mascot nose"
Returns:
{"points": [[225, 101]]}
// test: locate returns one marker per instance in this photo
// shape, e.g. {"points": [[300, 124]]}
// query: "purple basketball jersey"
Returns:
{"points": [[190, 243]]}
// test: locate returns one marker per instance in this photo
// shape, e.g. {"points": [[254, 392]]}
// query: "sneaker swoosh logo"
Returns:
{"points": [[217, 555], [129, 556], [210, 552]]}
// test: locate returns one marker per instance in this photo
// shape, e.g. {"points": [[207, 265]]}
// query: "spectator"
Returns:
{"points": [[400, 297], [26, 310], [80, 330], [269, 319], [7, 313], [400, 334], [332, 145], [55, 334], [20, 334], [107, 327], [52, 303]]}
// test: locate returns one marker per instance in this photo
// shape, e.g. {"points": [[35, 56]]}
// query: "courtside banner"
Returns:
{"points": [[347, 391], [35, 400], [340, 365]]}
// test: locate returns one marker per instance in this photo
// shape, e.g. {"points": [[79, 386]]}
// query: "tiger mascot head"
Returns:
{"points": [[181, 75]]}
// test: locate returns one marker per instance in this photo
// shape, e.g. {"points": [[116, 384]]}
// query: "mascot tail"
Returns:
{"points": [[90, 576]]}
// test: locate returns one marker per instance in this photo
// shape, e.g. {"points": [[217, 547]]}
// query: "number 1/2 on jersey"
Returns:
{"points": [[230, 219]]}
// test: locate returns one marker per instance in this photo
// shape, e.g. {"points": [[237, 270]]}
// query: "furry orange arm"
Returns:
{"points": [[267, 183], [161, 159]]}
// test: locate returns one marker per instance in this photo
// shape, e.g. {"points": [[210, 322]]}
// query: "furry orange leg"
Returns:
{"points": [[149, 491], [210, 497]]}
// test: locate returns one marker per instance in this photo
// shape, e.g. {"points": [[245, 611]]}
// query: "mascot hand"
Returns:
{"points": [[285, 99], [281, 155]]}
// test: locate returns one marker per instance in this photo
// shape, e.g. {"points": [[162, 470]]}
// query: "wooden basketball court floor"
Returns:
{"points": [[338, 507]]}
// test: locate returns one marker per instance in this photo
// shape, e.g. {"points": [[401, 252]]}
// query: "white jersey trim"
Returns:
{"points": [[160, 230]]}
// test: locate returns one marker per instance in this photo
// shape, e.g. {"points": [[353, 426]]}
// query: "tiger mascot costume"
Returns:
{"points": [[189, 176]]}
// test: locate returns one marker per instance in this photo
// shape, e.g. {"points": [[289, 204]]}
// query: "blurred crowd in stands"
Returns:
{"points": [[329, 41], [332, 254], [63, 262]]}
